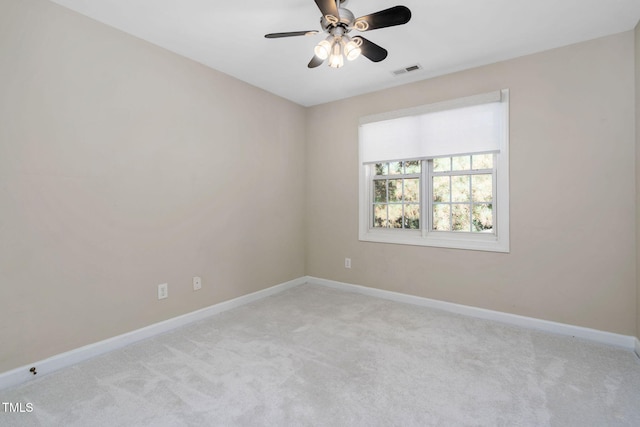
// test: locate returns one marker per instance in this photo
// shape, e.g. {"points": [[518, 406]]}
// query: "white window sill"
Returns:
{"points": [[468, 241]]}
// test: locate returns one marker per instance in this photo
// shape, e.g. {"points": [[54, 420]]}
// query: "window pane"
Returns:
{"points": [[382, 168], [380, 216], [412, 217], [412, 167], [460, 217], [412, 190], [395, 168], [441, 189], [395, 216], [483, 218], [395, 190], [482, 161], [442, 217], [442, 164], [462, 163], [482, 188], [460, 188], [380, 190]]}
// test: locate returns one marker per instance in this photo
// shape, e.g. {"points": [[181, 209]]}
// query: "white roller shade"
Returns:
{"points": [[436, 131]]}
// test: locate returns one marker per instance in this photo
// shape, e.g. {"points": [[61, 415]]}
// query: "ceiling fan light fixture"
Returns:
{"points": [[338, 22], [323, 49], [352, 48], [336, 60]]}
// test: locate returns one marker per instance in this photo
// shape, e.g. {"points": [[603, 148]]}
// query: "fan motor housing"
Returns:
{"points": [[346, 20]]}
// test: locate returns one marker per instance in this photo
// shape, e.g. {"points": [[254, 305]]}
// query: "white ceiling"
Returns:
{"points": [[443, 36]]}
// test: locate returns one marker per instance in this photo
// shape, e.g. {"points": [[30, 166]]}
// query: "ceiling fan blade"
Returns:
{"points": [[291, 34], [371, 50], [396, 15], [328, 8], [315, 62]]}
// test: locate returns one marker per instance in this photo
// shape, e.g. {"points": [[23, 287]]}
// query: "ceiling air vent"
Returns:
{"points": [[406, 70]]}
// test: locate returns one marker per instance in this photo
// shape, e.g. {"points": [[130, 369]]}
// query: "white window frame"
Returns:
{"points": [[497, 241]]}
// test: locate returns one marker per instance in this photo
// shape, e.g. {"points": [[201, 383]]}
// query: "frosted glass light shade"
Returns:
{"points": [[323, 49], [352, 50], [336, 60]]}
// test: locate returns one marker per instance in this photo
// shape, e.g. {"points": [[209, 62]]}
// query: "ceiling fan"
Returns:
{"points": [[338, 22]]}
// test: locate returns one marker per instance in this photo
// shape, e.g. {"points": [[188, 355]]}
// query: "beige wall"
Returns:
{"points": [[637, 70], [572, 193], [123, 166]]}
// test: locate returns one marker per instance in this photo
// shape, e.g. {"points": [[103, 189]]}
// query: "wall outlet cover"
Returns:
{"points": [[163, 291]]}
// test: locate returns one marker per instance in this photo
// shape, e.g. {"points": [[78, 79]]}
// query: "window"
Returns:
{"points": [[437, 175], [396, 198], [462, 193]]}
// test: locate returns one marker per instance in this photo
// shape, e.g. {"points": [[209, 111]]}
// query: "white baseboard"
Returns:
{"points": [[22, 375], [609, 338]]}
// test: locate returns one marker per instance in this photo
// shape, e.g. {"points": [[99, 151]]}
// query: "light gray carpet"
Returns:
{"points": [[315, 356]]}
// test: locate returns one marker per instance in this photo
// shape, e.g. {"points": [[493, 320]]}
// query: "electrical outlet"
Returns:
{"points": [[347, 263], [197, 283], [163, 291]]}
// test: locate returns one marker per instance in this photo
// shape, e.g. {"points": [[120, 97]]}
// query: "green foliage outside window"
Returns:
{"points": [[461, 194], [397, 195]]}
